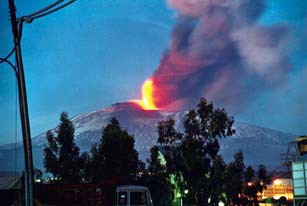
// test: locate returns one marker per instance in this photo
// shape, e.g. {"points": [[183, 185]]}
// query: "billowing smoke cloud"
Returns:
{"points": [[219, 50]]}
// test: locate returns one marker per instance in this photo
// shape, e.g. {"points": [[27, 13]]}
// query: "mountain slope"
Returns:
{"points": [[259, 145]]}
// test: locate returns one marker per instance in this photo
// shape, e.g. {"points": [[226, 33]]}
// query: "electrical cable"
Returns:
{"points": [[8, 56], [16, 108], [5, 59], [44, 9], [11, 64], [30, 19]]}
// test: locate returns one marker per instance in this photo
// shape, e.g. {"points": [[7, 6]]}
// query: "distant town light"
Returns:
{"points": [[249, 184]]}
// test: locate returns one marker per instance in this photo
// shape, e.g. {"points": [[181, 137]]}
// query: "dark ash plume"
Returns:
{"points": [[219, 51]]}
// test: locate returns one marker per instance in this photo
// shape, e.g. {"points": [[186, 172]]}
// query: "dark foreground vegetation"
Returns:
{"points": [[183, 166]]}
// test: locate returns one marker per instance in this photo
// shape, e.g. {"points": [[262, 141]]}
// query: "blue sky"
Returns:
{"points": [[95, 53]]}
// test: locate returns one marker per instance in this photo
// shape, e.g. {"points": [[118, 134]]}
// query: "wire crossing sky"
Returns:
{"points": [[96, 53]]}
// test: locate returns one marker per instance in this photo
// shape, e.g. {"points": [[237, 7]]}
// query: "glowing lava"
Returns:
{"points": [[147, 102]]}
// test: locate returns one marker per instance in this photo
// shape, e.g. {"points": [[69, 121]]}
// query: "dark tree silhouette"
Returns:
{"points": [[263, 178], [62, 156], [234, 175], [242, 185], [254, 183], [114, 156], [51, 155], [217, 181], [193, 160], [167, 134], [250, 189], [158, 180]]}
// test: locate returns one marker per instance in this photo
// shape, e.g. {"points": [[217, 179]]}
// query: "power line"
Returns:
{"points": [[8, 56], [35, 15], [30, 19], [46, 11], [10, 64], [16, 108]]}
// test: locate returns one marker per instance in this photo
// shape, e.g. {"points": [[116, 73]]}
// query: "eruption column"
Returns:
{"points": [[147, 100]]}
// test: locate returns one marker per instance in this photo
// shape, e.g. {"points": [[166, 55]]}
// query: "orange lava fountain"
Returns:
{"points": [[146, 102]]}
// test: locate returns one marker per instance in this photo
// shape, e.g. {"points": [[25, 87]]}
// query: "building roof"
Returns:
{"points": [[10, 180], [130, 187]]}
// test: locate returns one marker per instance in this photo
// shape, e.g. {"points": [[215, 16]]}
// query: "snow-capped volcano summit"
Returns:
{"points": [[259, 145]]}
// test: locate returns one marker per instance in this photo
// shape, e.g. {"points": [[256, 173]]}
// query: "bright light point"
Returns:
{"points": [[147, 102], [250, 184], [277, 182], [186, 191]]}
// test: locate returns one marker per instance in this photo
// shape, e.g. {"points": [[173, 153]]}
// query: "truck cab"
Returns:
{"points": [[133, 195]]}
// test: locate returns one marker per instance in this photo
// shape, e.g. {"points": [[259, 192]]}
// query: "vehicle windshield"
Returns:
{"points": [[138, 198]]}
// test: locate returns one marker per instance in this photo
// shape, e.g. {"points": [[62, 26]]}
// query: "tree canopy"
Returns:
{"points": [[114, 156], [194, 159], [158, 180], [62, 156]]}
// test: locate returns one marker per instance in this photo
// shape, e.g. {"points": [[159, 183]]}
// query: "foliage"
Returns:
{"points": [[250, 189], [217, 181], [234, 175], [158, 180], [254, 184], [188, 162], [114, 156], [242, 184], [263, 178], [62, 156], [167, 134], [192, 156]]}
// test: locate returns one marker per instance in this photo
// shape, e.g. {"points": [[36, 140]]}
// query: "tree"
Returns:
{"points": [[95, 168], [193, 159], [62, 156], [51, 155], [114, 156], [263, 178], [234, 175], [255, 183], [167, 134], [242, 184], [158, 180], [250, 189], [217, 181]]}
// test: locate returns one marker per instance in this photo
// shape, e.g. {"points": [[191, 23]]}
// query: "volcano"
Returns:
{"points": [[259, 145]]}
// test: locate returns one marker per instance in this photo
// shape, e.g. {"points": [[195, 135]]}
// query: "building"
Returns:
{"points": [[280, 191], [10, 188], [299, 173]]}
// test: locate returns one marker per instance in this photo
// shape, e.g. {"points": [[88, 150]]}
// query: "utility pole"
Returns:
{"points": [[17, 24], [23, 106]]}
